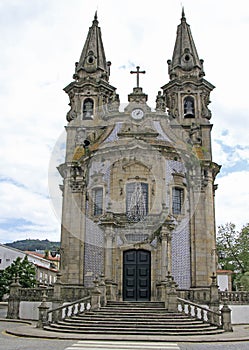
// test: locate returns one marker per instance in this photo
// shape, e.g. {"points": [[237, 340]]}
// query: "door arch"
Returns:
{"points": [[136, 275]]}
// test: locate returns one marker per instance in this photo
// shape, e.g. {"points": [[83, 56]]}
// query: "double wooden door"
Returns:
{"points": [[137, 275]]}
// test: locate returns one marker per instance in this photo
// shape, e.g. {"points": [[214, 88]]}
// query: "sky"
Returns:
{"points": [[40, 42]]}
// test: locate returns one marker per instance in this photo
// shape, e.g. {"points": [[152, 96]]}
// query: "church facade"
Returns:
{"points": [[138, 185]]}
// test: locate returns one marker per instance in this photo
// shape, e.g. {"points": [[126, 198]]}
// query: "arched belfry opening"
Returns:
{"points": [[189, 107], [88, 108]]}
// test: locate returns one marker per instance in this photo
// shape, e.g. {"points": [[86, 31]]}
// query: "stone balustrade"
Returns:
{"points": [[233, 297]]}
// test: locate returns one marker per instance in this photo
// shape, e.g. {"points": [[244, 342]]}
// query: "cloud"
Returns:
{"points": [[232, 199], [24, 212], [41, 40]]}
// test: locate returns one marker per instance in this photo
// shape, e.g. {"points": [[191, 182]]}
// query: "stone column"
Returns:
{"points": [[108, 253], [43, 312], [14, 299], [108, 224], [102, 287], [226, 317], [95, 296], [57, 297], [169, 250], [166, 255], [214, 291], [172, 297]]}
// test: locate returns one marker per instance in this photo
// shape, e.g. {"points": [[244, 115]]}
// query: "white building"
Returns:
{"points": [[45, 272]]}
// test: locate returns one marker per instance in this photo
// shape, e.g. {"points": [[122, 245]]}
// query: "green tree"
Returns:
{"points": [[21, 268], [233, 250]]}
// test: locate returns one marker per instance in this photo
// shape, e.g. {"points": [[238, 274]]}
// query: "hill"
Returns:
{"points": [[34, 244]]}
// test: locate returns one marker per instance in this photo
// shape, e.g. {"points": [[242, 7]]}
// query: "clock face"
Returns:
{"points": [[137, 113]]}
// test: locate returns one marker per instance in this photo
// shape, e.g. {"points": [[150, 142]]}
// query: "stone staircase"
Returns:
{"points": [[133, 318]]}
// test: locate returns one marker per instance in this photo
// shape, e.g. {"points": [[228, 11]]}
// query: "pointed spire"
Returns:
{"points": [[95, 21], [92, 59], [183, 14], [185, 56]]}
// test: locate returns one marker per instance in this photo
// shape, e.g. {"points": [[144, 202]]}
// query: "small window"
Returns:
{"points": [[189, 107], [88, 108], [136, 201], [98, 201], [177, 200]]}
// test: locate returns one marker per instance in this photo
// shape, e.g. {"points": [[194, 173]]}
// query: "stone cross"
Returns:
{"points": [[138, 72]]}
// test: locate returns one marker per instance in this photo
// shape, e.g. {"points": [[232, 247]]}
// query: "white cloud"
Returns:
{"points": [[41, 40], [232, 195]]}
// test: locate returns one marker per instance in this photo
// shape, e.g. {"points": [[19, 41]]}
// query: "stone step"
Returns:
{"points": [[131, 319], [136, 331], [139, 305], [115, 319], [132, 313], [132, 310], [146, 326]]}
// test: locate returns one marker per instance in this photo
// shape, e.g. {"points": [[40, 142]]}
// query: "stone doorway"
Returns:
{"points": [[136, 275]]}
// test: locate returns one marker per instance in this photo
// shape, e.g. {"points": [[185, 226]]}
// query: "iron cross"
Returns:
{"points": [[138, 72]]}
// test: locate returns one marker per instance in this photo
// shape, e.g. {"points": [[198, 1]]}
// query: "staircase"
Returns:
{"points": [[136, 318]]}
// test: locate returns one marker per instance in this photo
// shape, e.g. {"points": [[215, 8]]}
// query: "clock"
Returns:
{"points": [[137, 113]]}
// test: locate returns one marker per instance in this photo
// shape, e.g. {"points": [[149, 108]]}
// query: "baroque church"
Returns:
{"points": [[138, 184]]}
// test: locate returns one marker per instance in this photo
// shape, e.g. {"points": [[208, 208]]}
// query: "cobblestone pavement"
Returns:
{"points": [[8, 342]]}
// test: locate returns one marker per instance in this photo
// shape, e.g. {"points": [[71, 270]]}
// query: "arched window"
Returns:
{"points": [[177, 200], [88, 108], [97, 201], [136, 201], [189, 107]]}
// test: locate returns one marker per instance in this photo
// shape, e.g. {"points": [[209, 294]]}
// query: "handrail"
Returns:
{"points": [[76, 308], [201, 312], [70, 304], [200, 307]]}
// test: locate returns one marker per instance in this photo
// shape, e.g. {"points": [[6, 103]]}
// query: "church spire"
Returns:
{"points": [[92, 59], [185, 56]]}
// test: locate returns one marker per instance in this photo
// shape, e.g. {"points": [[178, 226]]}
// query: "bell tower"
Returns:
{"points": [[187, 99], [90, 93], [91, 99]]}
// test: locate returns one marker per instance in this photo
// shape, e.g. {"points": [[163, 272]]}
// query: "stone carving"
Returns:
{"points": [[113, 103], [195, 134], [80, 136], [71, 115], [77, 177], [206, 113], [160, 102], [172, 105]]}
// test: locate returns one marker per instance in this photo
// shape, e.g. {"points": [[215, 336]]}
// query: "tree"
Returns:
{"points": [[21, 268], [234, 246]]}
